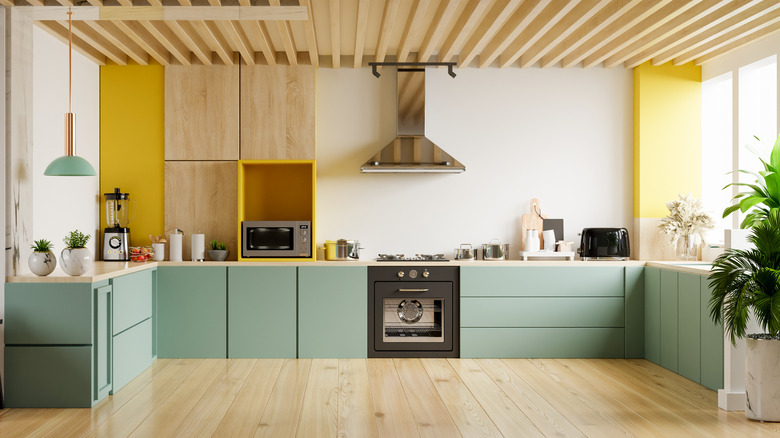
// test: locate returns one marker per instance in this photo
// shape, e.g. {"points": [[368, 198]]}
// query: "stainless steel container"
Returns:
{"points": [[342, 249], [495, 250], [465, 252]]}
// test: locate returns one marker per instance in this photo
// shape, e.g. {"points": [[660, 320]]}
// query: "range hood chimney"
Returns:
{"points": [[411, 151]]}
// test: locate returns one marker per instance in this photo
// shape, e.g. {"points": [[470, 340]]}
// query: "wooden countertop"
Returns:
{"points": [[106, 270]]}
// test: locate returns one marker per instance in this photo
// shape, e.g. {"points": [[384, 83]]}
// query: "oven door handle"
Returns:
{"points": [[413, 290]]}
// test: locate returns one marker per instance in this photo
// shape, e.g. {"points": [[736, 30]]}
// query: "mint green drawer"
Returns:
{"points": [[52, 313], [587, 343], [542, 312], [132, 300], [566, 281], [132, 353]]}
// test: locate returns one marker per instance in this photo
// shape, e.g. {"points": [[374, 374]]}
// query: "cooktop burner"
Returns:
{"points": [[415, 258]]}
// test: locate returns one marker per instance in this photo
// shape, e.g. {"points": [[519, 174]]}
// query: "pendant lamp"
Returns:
{"points": [[70, 164]]}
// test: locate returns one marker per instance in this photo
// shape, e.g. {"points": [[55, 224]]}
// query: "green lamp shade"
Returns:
{"points": [[70, 165]]}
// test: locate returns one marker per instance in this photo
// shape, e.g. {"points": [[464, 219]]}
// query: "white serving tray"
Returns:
{"points": [[547, 254]]}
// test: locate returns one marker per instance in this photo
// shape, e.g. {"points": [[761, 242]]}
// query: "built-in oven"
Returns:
{"points": [[276, 239], [413, 311]]}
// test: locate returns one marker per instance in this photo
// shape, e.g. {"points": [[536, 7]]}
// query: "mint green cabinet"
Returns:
{"points": [[131, 326], [261, 313], [103, 345], [653, 315], [332, 311], [669, 320], [192, 312], [635, 312], [544, 312], [711, 342], [689, 326]]}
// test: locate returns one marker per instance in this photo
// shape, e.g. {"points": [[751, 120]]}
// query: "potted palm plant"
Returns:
{"points": [[761, 196], [42, 261], [75, 258]]}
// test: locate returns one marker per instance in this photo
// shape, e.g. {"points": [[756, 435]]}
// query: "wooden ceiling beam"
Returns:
{"points": [[125, 2], [10, 4], [257, 34], [444, 15], [61, 33], [388, 21], [492, 23], [169, 40], [747, 15], [766, 22], [413, 28], [335, 33], [637, 32], [97, 3], [626, 21], [526, 14], [667, 28], [287, 39], [154, 2], [138, 34], [215, 2], [65, 2], [758, 34], [360, 31], [185, 2], [209, 33], [97, 41], [110, 32], [190, 38], [237, 40], [577, 17], [244, 3], [311, 35], [464, 28], [35, 2]]}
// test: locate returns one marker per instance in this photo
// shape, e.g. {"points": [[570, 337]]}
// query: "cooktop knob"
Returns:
{"points": [[400, 274], [413, 273], [426, 273]]}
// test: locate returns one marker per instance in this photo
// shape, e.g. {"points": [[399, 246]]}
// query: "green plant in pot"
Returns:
{"points": [[218, 251], [763, 195], [75, 258], [746, 283], [42, 261]]}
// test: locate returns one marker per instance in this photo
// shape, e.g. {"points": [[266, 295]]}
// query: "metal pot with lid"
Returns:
{"points": [[495, 250], [342, 249], [465, 252]]}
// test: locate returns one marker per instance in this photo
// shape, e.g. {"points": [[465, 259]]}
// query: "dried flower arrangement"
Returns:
{"points": [[686, 217]]}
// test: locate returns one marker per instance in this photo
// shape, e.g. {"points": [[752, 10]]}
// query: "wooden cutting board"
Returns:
{"points": [[532, 221]]}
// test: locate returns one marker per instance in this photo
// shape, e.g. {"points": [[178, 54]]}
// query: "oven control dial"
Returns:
{"points": [[400, 274], [426, 273], [413, 273]]}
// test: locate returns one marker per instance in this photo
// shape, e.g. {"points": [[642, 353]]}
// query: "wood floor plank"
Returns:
{"points": [[430, 414], [204, 418], [504, 413], [46, 425], [356, 409], [466, 412], [243, 416], [393, 415], [627, 420], [533, 404], [582, 415], [319, 415], [170, 414], [280, 417], [138, 408], [22, 422]]}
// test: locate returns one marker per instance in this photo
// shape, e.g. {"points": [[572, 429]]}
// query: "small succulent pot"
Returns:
{"points": [[218, 255], [42, 263], [75, 261]]}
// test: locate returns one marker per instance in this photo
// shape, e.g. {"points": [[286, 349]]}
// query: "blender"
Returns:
{"points": [[116, 237]]}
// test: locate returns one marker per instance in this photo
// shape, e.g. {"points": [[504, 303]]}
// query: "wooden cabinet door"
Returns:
{"points": [[277, 112], [201, 112]]}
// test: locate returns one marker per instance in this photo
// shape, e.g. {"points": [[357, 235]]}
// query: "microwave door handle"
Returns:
{"points": [[413, 290]]}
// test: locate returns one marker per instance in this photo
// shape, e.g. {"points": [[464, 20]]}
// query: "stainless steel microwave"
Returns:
{"points": [[276, 239]]}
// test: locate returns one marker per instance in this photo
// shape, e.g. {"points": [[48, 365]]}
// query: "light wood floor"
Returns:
{"points": [[396, 398]]}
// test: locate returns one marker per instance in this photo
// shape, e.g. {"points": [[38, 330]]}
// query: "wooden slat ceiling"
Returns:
{"points": [[473, 33]]}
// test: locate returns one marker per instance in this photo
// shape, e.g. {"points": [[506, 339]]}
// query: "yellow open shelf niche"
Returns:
{"points": [[277, 190]]}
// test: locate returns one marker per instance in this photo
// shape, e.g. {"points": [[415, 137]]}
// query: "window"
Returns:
{"points": [[716, 150]]}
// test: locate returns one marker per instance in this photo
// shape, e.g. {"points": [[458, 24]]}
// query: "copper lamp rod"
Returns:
{"points": [[70, 118]]}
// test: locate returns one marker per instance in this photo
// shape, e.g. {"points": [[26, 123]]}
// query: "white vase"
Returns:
{"points": [[762, 379], [42, 263], [75, 261], [532, 241]]}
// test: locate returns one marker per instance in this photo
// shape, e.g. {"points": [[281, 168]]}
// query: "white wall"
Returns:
{"points": [[62, 204], [563, 136]]}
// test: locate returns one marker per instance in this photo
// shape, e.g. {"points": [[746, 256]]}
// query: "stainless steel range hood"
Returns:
{"points": [[411, 151]]}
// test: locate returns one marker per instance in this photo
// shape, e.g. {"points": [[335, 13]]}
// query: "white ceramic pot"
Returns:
{"points": [[75, 261], [762, 379], [42, 263]]}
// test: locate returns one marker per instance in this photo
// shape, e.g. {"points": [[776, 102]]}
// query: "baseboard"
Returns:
{"points": [[731, 401]]}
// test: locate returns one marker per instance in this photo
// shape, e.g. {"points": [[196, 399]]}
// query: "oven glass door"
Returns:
{"points": [[413, 320], [413, 316], [270, 238]]}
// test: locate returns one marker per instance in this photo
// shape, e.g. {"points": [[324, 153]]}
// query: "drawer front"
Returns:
{"points": [[132, 300], [132, 353], [48, 377], [569, 281], [48, 314], [542, 312], [547, 343]]}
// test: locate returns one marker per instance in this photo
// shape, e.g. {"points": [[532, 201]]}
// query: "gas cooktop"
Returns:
{"points": [[415, 258]]}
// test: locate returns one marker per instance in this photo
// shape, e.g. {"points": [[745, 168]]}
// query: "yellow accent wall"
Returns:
{"points": [[132, 144], [667, 136]]}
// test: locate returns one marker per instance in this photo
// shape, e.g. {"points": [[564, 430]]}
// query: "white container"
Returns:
{"points": [[198, 248], [159, 252], [549, 240], [762, 379], [175, 240], [532, 243]]}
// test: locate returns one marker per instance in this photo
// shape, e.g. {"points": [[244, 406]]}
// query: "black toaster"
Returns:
{"points": [[604, 244]]}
